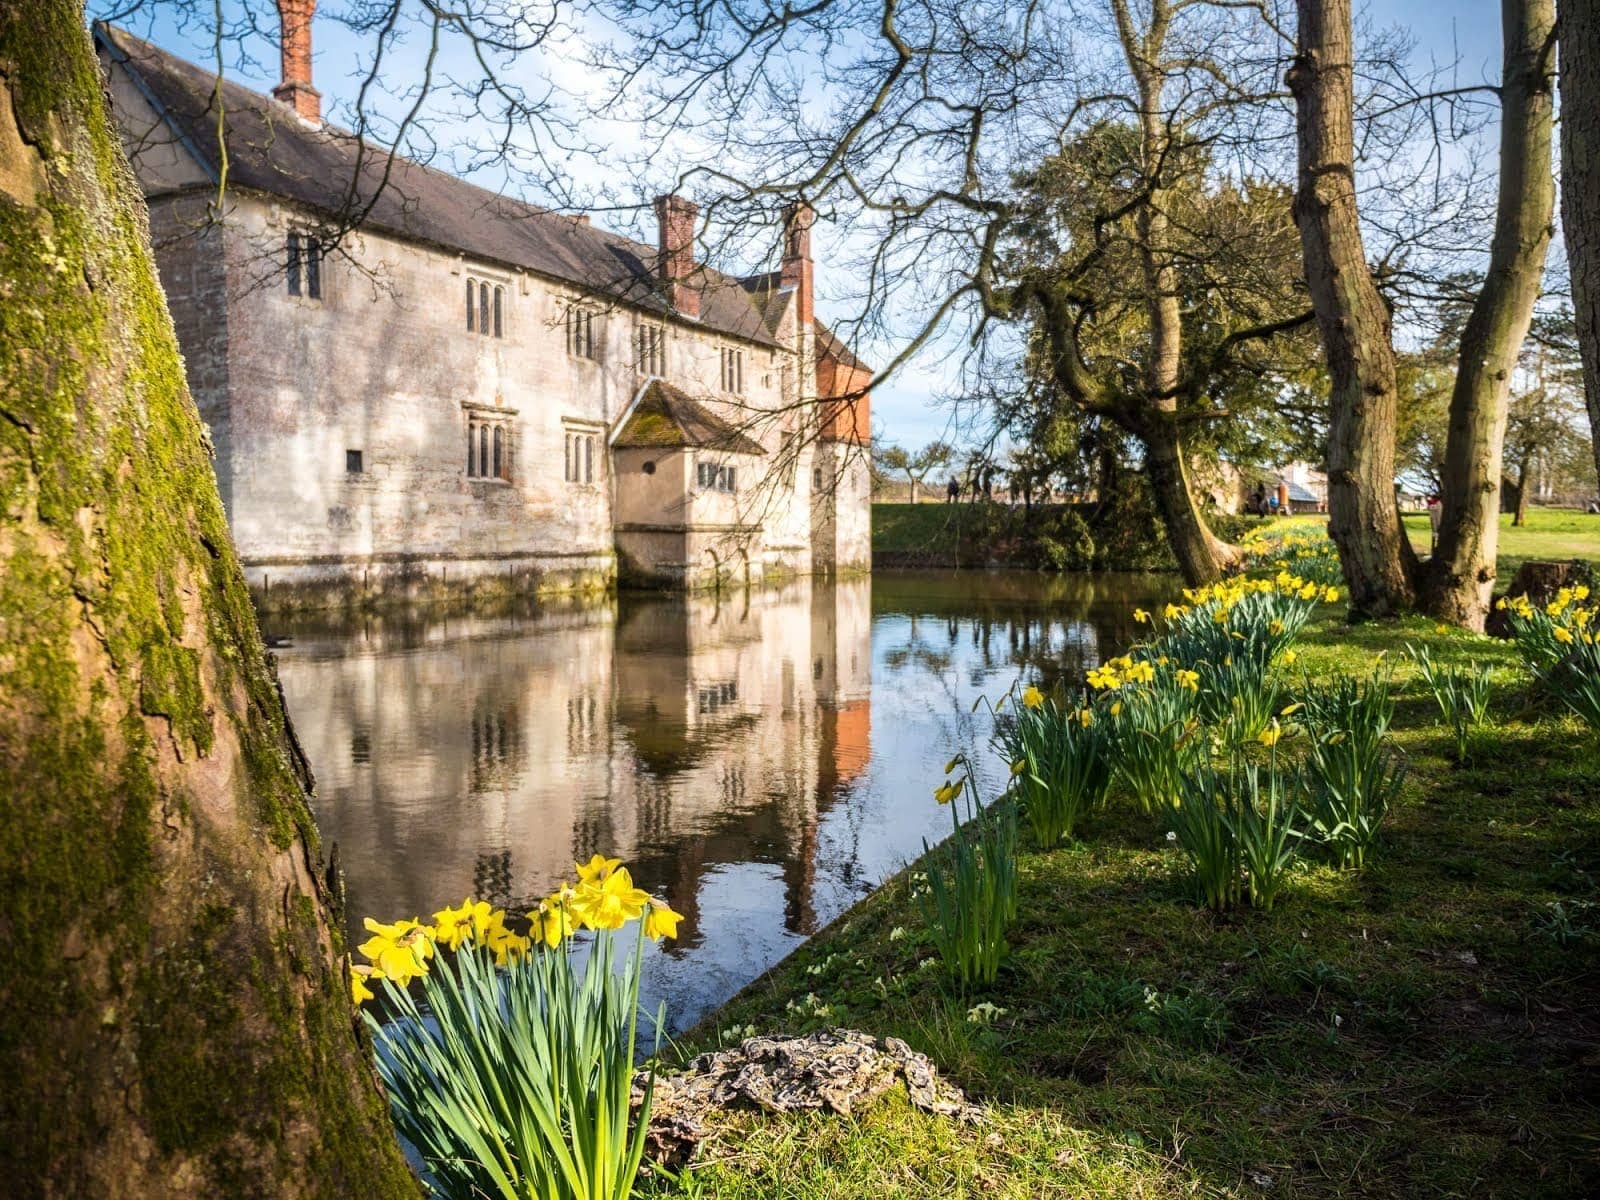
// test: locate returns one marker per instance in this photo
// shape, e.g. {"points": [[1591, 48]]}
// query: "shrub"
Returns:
{"points": [[1060, 762], [1062, 541], [513, 1073], [972, 880]]}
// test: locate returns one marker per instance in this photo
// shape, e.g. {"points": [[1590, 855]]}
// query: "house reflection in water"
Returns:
{"points": [[763, 759], [681, 733]]}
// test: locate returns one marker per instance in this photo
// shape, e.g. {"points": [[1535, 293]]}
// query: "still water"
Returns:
{"points": [[763, 759]]}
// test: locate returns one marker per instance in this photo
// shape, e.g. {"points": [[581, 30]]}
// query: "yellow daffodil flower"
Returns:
{"points": [[1330, 596], [1289, 656], [551, 921], [1032, 697], [1140, 617], [1292, 709], [608, 903], [1562, 634], [1189, 679], [947, 791], [1172, 612], [597, 868], [1018, 767], [660, 921], [1085, 717], [1271, 734], [360, 993], [475, 920], [399, 951], [1116, 708]]}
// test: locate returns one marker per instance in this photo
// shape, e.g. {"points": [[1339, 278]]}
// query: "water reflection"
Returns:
{"points": [[763, 759]]}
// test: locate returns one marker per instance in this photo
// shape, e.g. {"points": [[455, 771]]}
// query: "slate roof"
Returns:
{"points": [[271, 150], [668, 418]]}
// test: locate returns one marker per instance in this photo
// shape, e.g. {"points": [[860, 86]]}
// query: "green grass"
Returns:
{"points": [[1418, 1029], [1551, 533]]}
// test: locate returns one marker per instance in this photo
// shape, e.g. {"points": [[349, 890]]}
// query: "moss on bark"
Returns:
{"points": [[173, 1016]]}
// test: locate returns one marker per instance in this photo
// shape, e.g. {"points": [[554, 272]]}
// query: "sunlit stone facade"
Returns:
{"points": [[464, 391]]}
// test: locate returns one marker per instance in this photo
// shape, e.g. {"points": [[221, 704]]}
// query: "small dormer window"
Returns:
{"points": [[303, 265], [486, 304]]}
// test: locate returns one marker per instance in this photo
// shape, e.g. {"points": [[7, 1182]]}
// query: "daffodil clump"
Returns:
{"points": [[971, 896], [1560, 642], [1311, 556], [512, 1071], [1061, 761]]}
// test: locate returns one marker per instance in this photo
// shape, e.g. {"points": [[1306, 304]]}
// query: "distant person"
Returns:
{"points": [[1272, 503], [1435, 515], [1258, 502], [952, 492]]}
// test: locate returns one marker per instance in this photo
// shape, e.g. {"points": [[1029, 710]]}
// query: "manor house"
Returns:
{"points": [[409, 380]]}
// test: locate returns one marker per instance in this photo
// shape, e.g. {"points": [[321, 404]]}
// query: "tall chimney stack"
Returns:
{"points": [[797, 270], [296, 90], [676, 217]]}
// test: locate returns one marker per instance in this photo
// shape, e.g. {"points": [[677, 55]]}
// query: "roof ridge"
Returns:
{"points": [[634, 284]]}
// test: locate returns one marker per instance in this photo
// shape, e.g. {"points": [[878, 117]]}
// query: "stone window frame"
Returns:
{"points": [[491, 444], [650, 347], [304, 260], [583, 457], [712, 475], [488, 305], [733, 370], [578, 320]]}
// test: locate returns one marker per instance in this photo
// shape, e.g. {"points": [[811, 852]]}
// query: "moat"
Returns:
{"points": [[763, 758]]}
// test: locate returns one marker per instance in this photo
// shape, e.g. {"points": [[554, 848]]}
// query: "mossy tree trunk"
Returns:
{"points": [[1459, 577], [174, 1015]]}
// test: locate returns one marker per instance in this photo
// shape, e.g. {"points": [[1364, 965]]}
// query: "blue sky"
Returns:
{"points": [[906, 410]]}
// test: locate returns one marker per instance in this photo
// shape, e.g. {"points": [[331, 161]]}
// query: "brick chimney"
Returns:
{"points": [[797, 221], [296, 90], [676, 218]]}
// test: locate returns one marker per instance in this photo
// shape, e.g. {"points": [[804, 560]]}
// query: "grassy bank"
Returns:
{"points": [[1427, 1027]]}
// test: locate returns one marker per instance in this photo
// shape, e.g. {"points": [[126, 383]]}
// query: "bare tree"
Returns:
{"points": [[175, 1016], [1580, 184], [1356, 322], [915, 466], [1461, 572]]}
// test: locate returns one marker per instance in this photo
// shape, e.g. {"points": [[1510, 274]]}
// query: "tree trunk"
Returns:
{"points": [[1202, 556], [1363, 516], [1521, 515], [1459, 579], [174, 1010], [1580, 183]]}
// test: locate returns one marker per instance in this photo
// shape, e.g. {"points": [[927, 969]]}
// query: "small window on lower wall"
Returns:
{"points": [[488, 449], [717, 477], [582, 456], [352, 462]]}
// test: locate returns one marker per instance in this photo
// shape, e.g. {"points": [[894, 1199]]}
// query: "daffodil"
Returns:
{"points": [[1270, 735], [473, 921], [1189, 679], [1562, 634], [1032, 697], [1330, 595], [360, 993], [507, 946], [1140, 617], [1085, 717], [660, 921], [1172, 612], [1116, 708], [399, 951], [1018, 767], [551, 921], [947, 791], [597, 868], [1289, 656], [608, 903]]}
